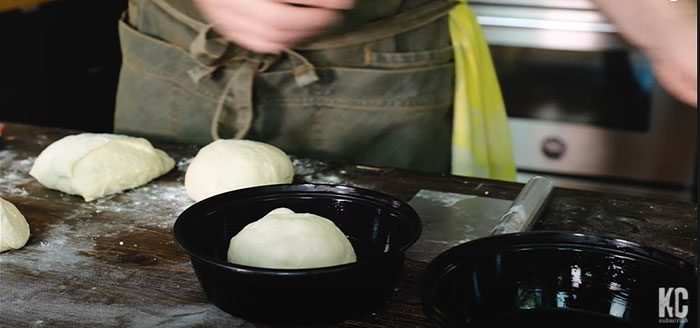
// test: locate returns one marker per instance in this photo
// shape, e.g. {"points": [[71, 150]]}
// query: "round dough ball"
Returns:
{"points": [[95, 165], [283, 239], [14, 229], [226, 165]]}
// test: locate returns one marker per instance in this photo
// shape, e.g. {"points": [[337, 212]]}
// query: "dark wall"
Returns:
{"points": [[59, 64]]}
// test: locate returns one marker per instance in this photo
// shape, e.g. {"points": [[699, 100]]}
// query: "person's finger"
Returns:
{"points": [[252, 29], [286, 16], [329, 4], [682, 85], [266, 25], [259, 45]]}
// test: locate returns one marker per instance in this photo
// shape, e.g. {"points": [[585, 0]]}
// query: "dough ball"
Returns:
{"points": [[96, 165], [283, 239], [226, 165], [14, 230]]}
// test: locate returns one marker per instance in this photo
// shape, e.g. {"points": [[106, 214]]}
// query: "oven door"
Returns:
{"points": [[582, 104]]}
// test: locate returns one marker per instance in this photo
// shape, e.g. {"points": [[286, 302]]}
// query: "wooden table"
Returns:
{"points": [[113, 262]]}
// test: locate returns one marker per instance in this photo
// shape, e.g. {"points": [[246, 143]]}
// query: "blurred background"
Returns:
{"points": [[583, 106], [59, 62]]}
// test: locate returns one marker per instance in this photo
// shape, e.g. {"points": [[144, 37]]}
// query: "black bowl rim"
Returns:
{"points": [[564, 239], [266, 190], [487, 246]]}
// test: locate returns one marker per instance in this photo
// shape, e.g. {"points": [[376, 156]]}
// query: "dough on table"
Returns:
{"points": [[228, 164], [95, 165], [14, 229], [283, 239]]}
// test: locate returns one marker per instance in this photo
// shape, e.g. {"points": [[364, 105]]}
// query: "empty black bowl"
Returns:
{"points": [[379, 227], [557, 279]]}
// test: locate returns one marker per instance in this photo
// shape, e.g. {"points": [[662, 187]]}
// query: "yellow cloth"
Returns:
{"points": [[481, 144]]}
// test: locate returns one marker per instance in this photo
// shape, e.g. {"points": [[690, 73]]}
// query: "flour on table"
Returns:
{"points": [[150, 200], [184, 163], [302, 167], [446, 199], [324, 179], [63, 243], [14, 173]]}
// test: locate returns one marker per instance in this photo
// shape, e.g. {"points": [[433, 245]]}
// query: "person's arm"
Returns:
{"points": [[270, 26], [666, 31]]}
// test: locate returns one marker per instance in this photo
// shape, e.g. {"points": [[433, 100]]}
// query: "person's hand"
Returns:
{"points": [[269, 26], [665, 31], [675, 64]]}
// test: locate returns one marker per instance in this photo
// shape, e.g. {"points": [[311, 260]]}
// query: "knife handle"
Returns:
{"points": [[526, 207]]}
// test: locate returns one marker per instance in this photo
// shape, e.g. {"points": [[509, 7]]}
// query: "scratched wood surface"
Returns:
{"points": [[113, 263]]}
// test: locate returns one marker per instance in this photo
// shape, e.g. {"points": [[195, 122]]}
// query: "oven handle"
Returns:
{"points": [[546, 24]]}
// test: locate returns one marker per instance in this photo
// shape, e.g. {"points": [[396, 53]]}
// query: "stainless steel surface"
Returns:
{"points": [[563, 15], [584, 104], [552, 39], [547, 24], [569, 4], [526, 207], [450, 219], [558, 25], [665, 153]]}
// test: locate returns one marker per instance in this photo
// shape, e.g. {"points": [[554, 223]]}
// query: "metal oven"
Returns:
{"points": [[583, 105]]}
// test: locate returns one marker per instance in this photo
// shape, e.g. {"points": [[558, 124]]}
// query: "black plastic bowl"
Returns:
{"points": [[379, 227], [554, 279]]}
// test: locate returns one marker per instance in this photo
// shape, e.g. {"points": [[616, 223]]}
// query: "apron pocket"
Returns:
{"points": [[384, 117], [408, 59]]}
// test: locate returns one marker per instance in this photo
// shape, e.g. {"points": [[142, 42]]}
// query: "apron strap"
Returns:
{"points": [[240, 85], [207, 47], [304, 70]]}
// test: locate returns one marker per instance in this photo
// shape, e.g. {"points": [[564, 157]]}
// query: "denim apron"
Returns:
{"points": [[377, 89]]}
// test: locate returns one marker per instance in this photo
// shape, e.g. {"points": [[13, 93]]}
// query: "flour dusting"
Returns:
{"points": [[512, 221], [14, 171], [446, 199], [155, 203], [184, 163], [302, 167], [52, 252], [72, 268], [324, 179]]}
